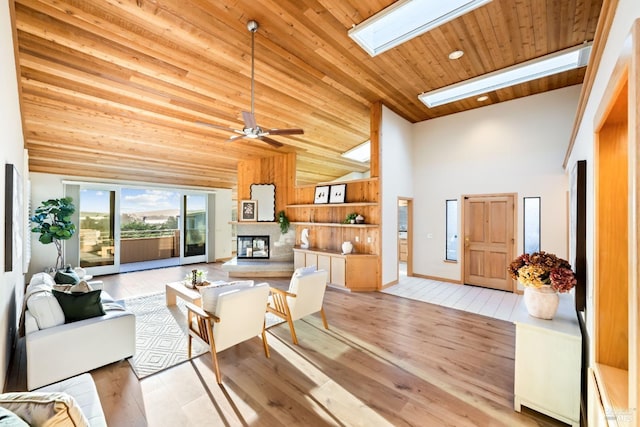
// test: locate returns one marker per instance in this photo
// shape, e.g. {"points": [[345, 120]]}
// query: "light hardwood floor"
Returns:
{"points": [[386, 361]]}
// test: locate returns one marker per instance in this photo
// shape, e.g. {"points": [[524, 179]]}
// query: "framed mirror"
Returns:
{"points": [[265, 195]]}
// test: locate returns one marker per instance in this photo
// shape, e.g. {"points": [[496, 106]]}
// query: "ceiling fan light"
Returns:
{"points": [[405, 20], [554, 63]]}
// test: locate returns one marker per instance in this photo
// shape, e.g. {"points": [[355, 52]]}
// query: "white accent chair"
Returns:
{"points": [[238, 315], [304, 297]]}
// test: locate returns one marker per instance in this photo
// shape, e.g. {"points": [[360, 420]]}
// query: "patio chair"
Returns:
{"points": [[304, 297], [238, 315]]}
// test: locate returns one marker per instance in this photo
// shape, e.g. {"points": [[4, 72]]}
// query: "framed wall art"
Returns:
{"points": [[13, 224], [322, 194], [248, 210], [337, 193]]}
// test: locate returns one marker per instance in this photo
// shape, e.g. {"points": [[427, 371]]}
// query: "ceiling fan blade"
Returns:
{"points": [[249, 120], [284, 131], [271, 141], [235, 137]]}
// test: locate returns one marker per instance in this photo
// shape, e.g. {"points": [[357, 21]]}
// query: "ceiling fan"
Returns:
{"points": [[251, 129]]}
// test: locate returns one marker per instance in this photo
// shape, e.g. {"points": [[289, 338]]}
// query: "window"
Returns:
{"points": [[531, 224], [452, 230]]}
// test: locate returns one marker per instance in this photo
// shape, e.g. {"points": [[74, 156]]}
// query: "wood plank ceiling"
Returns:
{"points": [[114, 89]]}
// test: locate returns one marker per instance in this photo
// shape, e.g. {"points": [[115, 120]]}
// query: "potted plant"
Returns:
{"points": [[283, 221], [52, 220], [543, 275], [351, 218]]}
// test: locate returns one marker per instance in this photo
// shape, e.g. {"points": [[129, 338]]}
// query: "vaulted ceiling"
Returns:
{"points": [[117, 89]]}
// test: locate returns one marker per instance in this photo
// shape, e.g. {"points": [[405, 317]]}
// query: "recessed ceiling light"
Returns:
{"points": [[554, 63], [406, 19], [482, 98], [456, 54]]}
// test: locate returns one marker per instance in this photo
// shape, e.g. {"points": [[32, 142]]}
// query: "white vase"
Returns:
{"points": [[541, 302], [347, 247]]}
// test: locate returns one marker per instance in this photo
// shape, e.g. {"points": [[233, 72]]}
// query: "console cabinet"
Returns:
{"points": [[355, 272], [548, 361]]}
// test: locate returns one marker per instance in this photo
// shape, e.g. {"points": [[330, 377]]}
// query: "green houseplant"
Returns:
{"points": [[350, 218], [52, 219], [283, 221]]}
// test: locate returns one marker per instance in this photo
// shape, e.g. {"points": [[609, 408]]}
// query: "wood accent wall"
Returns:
{"points": [[279, 170]]}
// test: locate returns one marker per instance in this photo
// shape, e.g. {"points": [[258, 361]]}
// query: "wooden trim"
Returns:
{"points": [[388, 285], [315, 205], [603, 28], [439, 279], [374, 137]]}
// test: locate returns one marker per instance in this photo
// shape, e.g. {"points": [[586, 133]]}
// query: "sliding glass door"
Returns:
{"points": [[97, 231], [126, 229], [194, 247]]}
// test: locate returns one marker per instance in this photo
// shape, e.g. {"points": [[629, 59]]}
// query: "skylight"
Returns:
{"points": [[359, 153], [405, 20], [554, 63]]}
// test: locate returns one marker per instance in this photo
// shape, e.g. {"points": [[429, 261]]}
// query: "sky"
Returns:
{"points": [[134, 200]]}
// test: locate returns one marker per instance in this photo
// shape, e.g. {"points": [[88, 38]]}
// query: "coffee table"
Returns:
{"points": [[178, 289]]}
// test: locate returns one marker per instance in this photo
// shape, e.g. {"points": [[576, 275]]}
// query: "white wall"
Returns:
{"points": [[626, 13], [222, 223], [12, 152], [396, 181], [511, 147]]}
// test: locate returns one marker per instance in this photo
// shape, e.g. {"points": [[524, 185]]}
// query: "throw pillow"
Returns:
{"points": [[210, 294], [9, 419], [80, 306], [44, 307], [302, 271], [44, 409], [80, 287], [66, 277]]}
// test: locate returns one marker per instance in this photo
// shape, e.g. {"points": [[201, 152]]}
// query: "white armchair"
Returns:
{"points": [[304, 297], [238, 315]]}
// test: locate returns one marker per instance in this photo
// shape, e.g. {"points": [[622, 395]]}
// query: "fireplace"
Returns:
{"points": [[253, 247]]}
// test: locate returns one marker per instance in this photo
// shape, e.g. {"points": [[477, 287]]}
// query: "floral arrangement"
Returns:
{"points": [[543, 269]]}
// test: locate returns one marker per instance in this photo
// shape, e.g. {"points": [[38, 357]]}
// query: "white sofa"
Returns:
{"points": [[57, 350], [73, 402]]}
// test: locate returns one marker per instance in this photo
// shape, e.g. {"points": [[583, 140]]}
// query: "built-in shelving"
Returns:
{"points": [[335, 224], [336, 205]]}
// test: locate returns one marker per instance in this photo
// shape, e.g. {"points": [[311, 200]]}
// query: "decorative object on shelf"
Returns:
{"points": [[347, 247], [304, 238], [359, 219], [322, 194], [52, 220], [248, 210], [543, 275], [337, 193], [283, 221], [351, 218]]}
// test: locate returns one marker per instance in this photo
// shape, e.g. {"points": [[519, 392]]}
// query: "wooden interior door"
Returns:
{"points": [[489, 240]]}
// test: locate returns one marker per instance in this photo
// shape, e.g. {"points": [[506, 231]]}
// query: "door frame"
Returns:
{"points": [[514, 243], [409, 201]]}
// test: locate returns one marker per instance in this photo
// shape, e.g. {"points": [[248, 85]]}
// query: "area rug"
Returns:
{"points": [[161, 334]]}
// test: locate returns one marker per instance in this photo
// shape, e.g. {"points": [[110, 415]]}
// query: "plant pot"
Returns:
{"points": [[541, 302]]}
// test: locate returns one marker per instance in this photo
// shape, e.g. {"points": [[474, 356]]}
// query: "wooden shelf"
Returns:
{"points": [[336, 224], [336, 205]]}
